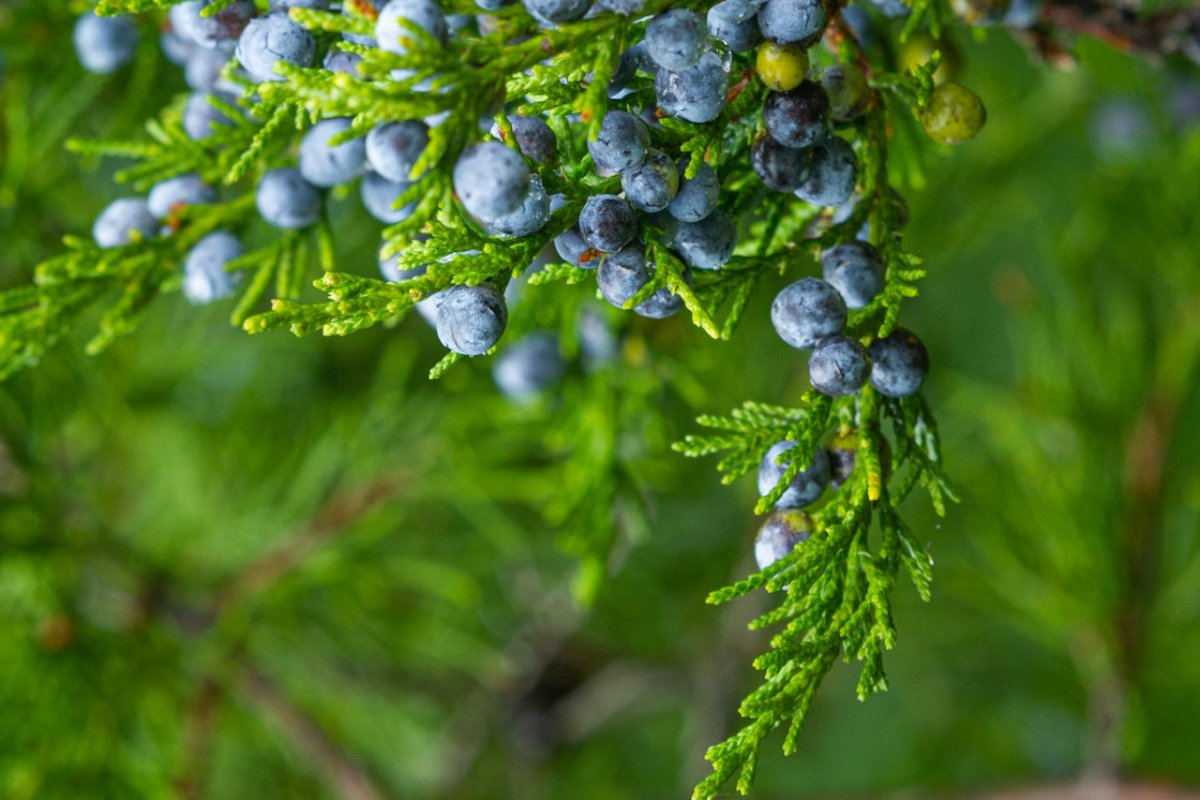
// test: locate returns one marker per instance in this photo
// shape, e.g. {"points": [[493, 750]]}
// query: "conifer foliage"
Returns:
{"points": [[663, 155]]}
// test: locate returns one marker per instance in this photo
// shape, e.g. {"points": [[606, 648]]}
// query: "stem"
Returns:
{"points": [[348, 780], [341, 510], [1147, 469], [1150, 36], [197, 739]]}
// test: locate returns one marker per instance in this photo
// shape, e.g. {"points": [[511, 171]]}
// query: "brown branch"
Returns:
{"points": [[341, 510], [348, 780], [1146, 475], [197, 739], [1152, 36], [1096, 790]]}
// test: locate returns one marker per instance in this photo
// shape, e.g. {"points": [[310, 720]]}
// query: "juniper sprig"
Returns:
{"points": [[515, 156]]}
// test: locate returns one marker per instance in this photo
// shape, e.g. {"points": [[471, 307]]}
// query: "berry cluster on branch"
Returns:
{"points": [[669, 154]]}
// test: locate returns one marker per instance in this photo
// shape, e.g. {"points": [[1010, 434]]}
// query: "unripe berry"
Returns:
{"points": [[782, 67], [847, 90], [954, 114], [806, 487], [921, 47]]}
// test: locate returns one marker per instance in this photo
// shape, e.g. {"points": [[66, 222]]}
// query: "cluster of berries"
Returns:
{"points": [[131, 219], [811, 314], [682, 210], [688, 58], [788, 525]]}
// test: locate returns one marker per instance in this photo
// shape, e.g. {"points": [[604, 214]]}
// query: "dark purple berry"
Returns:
{"points": [[900, 364], [839, 366], [799, 118]]}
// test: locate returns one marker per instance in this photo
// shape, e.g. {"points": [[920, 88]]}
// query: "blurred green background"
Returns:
{"points": [[268, 567]]}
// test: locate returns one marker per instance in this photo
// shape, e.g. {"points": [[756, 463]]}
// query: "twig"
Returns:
{"points": [[348, 779], [339, 512], [197, 739], [1152, 36]]}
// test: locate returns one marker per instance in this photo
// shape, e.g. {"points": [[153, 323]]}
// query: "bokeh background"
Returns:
{"points": [[269, 567]]}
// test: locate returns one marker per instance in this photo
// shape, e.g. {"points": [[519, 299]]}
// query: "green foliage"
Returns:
{"points": [[557, 73], [836, 588], [388, 458]]}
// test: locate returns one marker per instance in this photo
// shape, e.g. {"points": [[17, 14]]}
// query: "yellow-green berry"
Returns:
{"points": [[954, 114], [781, 67]]}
